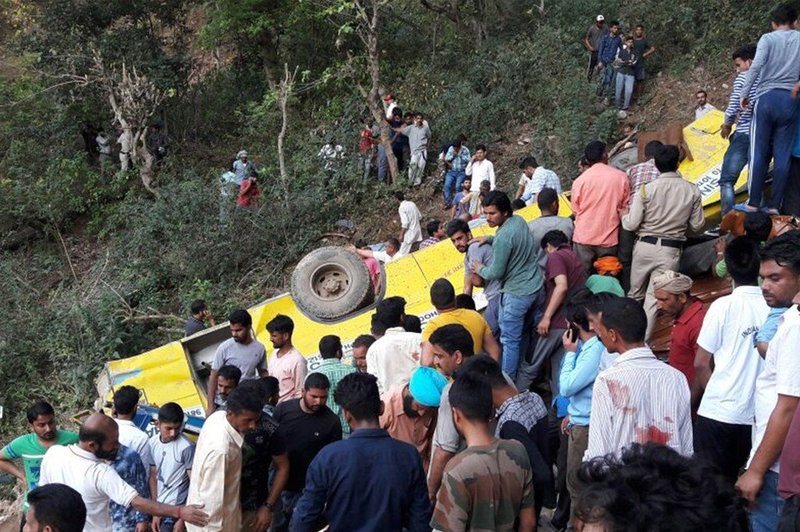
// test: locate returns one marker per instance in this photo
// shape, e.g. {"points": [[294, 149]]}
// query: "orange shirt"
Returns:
{"points": [[417, 431], [597, 196]]}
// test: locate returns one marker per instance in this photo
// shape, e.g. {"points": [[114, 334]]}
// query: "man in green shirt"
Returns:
{"points": [[30, 448], [514, 264], [330, 349]]}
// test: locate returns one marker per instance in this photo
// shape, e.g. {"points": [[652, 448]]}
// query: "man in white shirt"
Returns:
{"points": [[394, 356], [389, 103], [639, 399], [126, 400], [419, 134], [391, 253], [727, 364], [217, 467], [480, 169], [534, 178], [410, 223], [84, 467], [703, 107], [778, 385]]}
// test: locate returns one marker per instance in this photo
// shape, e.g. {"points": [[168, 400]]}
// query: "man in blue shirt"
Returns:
{"points": [[609, 46], [369, 481], [576, 380], [738, 153], [456, 159]]}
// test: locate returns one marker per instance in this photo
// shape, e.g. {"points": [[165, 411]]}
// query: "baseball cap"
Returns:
{"points": [[600, 18]]}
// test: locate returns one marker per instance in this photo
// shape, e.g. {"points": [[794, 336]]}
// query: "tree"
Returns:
{"points": [[367, 17], [136, 58]]}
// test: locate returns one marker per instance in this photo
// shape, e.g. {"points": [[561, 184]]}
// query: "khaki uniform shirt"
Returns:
{"points": [[666, 208]]}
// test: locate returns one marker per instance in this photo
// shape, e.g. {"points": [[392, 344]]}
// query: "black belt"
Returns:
{"points": [[662, 241]]}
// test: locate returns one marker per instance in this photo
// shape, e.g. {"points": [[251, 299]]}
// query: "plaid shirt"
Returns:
{"points": [[458, 160], [641, 174], [525, 408], [428, 242], [335, 371]]}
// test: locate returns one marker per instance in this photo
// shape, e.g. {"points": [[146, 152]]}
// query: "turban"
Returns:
{"points": [[672, 282], [241, 154], [426, 386], [607, 265]]}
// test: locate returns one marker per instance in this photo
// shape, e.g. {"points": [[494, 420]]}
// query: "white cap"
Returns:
{"points": [[600, 18]]}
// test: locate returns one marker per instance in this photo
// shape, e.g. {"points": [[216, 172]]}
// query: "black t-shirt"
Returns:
{"points": [[305, 435], [257, 452]]}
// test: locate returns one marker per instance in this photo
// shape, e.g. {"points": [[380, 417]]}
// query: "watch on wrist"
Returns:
{"points": [[269, 506]]}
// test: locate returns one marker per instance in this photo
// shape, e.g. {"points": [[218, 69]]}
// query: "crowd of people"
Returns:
{"points": [[552, 398]]}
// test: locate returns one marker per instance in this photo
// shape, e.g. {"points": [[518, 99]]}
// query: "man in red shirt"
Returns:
{"points": [[598, 196], [673, 298]]}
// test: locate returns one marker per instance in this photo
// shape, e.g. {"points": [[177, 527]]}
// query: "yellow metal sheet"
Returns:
{"points": [[708, 148], [163, 374]]}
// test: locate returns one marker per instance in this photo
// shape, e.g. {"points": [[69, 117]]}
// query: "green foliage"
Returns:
{"points": [[141, 259]]}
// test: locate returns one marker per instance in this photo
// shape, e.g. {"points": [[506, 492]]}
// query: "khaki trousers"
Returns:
{"points": [[578, 442], [588, 254], [649, 260]]}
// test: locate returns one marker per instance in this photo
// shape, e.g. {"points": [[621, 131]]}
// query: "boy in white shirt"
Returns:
{"points": [[173, 454], [723, 429]]}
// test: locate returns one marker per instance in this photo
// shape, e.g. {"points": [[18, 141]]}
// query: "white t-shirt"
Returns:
{"points": [[480, 171], [781, 375], [410, 220], [134, 438], [385, 258], [96, 481], [173, 461], [729, 333]]}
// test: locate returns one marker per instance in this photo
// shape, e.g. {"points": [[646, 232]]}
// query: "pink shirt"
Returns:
{"points": [[597, 196], [374, 269], [290, 369]]}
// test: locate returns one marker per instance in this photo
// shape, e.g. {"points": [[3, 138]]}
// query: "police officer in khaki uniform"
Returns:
{"points": [[660, 214]]}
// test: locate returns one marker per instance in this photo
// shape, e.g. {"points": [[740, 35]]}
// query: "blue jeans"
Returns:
{"points": [[383, 164], [609, 78], [733, 163], [452, 176], [767, 513], [771, 137], [517, 317], [624, 90], [492, 315], [282, 517]]}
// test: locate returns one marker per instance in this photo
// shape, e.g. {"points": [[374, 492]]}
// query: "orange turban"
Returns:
{"points": [[608, 265]]}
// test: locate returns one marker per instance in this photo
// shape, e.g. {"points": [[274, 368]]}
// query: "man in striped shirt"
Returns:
{"points": [[638, 399], [739, 149]]}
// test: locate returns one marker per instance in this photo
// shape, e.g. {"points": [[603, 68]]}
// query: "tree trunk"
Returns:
{"points": [[284, 92], [368, 31]]}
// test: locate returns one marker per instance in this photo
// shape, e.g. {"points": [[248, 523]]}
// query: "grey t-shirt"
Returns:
{"points": [[482, 254], [446, 437], [417, 136], [595, 34], [540, 226], [250, 358], [776, 64]]}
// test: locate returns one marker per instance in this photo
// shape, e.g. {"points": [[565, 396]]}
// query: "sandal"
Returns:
{"points": [[744, 207]]}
